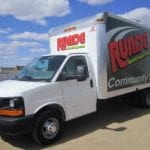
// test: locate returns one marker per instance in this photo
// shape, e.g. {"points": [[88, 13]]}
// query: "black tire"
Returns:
{"points": [[144, 99], [47, 122]]}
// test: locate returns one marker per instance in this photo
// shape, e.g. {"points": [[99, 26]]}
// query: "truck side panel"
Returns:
{"points": [[128, 56]]}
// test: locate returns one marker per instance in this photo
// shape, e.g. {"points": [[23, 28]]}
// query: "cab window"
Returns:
{"points": [[71, 66]]}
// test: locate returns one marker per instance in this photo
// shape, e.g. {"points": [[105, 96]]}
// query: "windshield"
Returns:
{"points": [[41, 69]]}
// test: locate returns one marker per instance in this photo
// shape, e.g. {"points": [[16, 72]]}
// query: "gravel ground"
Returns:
{"points": [[116, 126]]}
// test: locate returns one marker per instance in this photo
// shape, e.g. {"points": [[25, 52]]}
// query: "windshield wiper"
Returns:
{"points": [[14, 78], [29, 78]]}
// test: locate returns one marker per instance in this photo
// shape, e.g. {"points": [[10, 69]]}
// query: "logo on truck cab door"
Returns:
{"points": [[127, 51], [74, 41]]}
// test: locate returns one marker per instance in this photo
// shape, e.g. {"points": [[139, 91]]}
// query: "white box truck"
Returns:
{"points": [[96, 58]]}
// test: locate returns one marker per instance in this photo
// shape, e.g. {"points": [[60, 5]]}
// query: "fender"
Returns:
{"points": [[53, 106]]}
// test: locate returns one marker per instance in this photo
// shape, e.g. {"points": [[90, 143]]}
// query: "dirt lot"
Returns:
{"points": [[117, 126]]}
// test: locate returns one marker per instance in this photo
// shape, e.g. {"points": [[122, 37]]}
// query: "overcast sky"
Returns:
{"points": [[24, 24]]}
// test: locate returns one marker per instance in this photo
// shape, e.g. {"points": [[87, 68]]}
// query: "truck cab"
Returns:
{"points": [[50, 90]]}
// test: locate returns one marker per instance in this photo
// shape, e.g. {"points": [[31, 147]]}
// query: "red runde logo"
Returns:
{"points": [[71, 40], [122, 50]]}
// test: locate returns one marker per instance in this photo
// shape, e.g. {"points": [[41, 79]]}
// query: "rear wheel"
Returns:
{"points": [[144, 99], [48, 128]]}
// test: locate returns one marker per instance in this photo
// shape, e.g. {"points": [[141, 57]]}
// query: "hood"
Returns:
{"points": [[11, 88]]}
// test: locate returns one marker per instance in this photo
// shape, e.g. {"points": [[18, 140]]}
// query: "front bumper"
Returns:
{"points": [[14, 126]]}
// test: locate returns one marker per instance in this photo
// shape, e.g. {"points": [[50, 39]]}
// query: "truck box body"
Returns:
{"points": [[118, 49]]}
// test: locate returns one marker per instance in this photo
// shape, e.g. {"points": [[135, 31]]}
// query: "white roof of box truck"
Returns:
{"points": [[88, 21], [79, 24]]}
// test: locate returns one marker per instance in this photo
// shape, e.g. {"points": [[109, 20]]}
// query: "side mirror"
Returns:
{"points": [[81, 73], [64, 77]]}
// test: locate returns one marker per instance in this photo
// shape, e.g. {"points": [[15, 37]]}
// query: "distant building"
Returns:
{"points": [[18, 68], [11, 69], [7, 69]]}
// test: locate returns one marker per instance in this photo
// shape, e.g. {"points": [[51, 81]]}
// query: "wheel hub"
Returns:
{"points": [[50, 128]]}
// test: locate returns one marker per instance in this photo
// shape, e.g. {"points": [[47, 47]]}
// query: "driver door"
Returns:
{"points": [[79, 96]]}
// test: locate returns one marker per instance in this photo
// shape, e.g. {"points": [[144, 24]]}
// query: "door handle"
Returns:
{"points": [[91, 83]]}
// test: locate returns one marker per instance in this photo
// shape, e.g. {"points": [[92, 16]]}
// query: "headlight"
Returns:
{"points": [[12, 103], [16, 103], [13, 107]]}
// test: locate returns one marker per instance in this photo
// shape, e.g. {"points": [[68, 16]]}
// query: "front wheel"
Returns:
{"points": [[48, 128]]}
